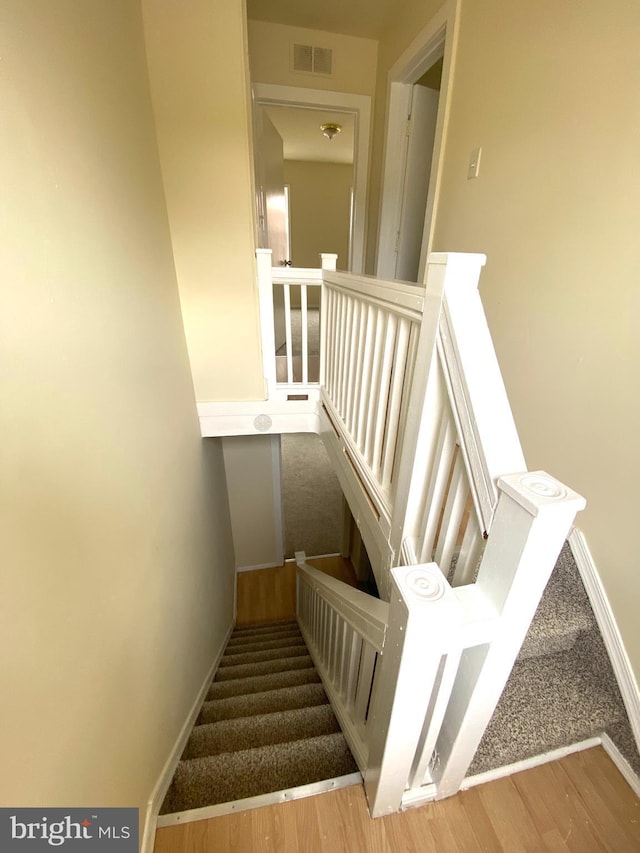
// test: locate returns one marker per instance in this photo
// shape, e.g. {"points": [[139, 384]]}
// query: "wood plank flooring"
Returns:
{"points": [[266, 595], [578, 804]]}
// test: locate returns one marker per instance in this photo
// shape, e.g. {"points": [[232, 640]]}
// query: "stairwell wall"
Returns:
{"points": [[116, 559], [198, 68], [549, 91]]}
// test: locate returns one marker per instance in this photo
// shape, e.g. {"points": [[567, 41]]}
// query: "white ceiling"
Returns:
{"points": [[364, 18], [302, 138]]}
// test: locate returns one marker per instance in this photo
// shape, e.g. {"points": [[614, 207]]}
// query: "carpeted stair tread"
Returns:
{"points": [[251, 637], [549, 702], [260, 683], [261, 730], [283, 699], [223, 778], [563, 613], [282, 643], [263, 667], [263, 628], [262, 655]]}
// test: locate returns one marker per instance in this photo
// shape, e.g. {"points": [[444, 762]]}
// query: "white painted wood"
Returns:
{"points": [[438, 37], [417, 444], [367, 615], [258, 802], [267, 335], [166, 774], [608, 628], [248, 418], [534, 515], [487, 431], [420, 136], [621, 763], [528, 763], [360, 106], [452, 515], [269, 162], [305, 333], [423, 617], [287, 326], [403, 299], [328, 261]]}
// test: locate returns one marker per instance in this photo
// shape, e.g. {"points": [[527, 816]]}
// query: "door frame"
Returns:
{"points": [[360, 107], [438, 39]]}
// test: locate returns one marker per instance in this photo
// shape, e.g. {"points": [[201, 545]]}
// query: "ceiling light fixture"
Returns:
{"points": [[330, 129]]}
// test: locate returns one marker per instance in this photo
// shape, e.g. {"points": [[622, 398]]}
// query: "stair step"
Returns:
{"points": [[241, 658], [563, 614], [260, 730], [282, 643], [263, 667], [282, 699], [200, 782], [260, 683], [253, 639], [549, 702], [265, 628]]}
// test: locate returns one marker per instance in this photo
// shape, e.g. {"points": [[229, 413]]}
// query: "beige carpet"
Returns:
{"points": [[312, 497]]}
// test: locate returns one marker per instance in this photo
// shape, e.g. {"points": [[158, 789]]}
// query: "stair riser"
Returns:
{"points": [[266, 655], [262, 683], [248, 669], [284, 699]]}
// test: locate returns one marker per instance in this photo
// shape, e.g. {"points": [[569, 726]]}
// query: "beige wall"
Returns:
{"points": [[354, 59], [199, 82], [555, 208], [255, 509], [319, 204], [116, 559]]}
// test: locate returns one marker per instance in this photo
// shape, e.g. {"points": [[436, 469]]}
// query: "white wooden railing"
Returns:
{"points": [[462, 539], [345, 630]]}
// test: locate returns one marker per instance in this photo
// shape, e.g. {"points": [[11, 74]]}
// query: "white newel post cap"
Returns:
{"points": [[300, 557], [424, 587], [537, 491], [328, 260]]}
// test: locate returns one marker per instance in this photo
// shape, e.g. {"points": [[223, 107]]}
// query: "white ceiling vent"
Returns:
{"points": [[312, 60]]}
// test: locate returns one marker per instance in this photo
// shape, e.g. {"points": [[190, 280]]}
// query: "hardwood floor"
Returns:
{"points": [[579, 804], [267, 595]]}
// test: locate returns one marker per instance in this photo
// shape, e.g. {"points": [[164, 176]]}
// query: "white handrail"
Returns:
{"points": [[367, 615]]}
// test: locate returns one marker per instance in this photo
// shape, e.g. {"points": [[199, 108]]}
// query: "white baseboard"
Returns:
{"points": [[609, 630], [528, 763], [258, 567], [166, 775], [621, 763]]}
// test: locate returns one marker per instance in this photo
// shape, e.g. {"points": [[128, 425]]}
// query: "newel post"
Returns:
{"points": [[328, 261], [265, 298], [533, 518], [424, 613]]}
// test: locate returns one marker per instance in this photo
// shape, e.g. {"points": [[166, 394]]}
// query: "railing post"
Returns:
{"points": [[328, 261], [533, 518], [423, 616], [446, 272], [265, 296]]}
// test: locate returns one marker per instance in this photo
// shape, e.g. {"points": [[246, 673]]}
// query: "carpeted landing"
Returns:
{"points": [[265, 726], [562, 689]]}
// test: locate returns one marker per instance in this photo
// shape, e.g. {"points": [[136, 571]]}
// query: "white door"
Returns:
{"points": [[421, 128], [271, 203]]}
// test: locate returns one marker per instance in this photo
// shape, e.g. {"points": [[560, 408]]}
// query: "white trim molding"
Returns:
{"points": [[621, 763], [609, 629], [437, 39], [166, 774]]}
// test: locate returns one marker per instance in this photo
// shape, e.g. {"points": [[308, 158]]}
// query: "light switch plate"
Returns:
{"points": [[474, 164]]}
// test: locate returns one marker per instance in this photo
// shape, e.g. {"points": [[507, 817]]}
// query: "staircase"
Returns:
{"points": [[562, 689], [266, 724]]}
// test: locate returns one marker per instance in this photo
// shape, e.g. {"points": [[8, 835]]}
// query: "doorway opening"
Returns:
{"points": [[295, 114], [418, 106]]}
